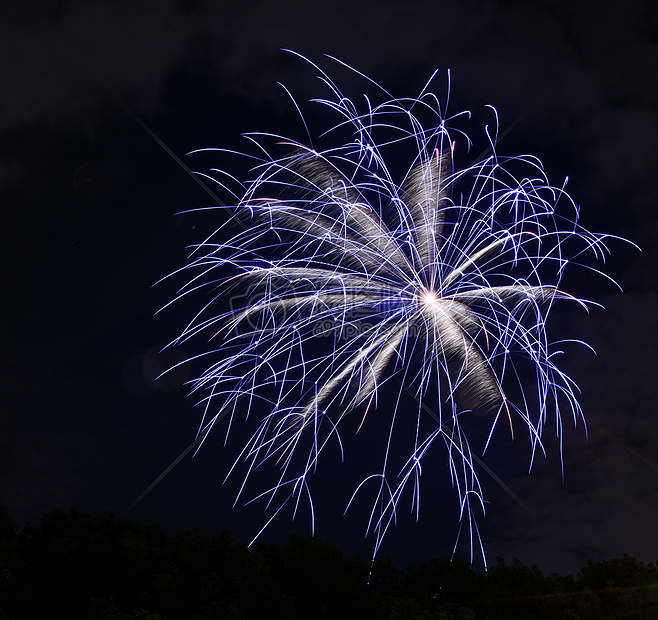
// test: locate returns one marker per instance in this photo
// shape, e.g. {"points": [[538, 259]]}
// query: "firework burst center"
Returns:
{"points": [[429, 300]]}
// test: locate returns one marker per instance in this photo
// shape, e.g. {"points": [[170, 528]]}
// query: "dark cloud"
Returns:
{"points": [[584, 82], [62, 62], [87, 201]]}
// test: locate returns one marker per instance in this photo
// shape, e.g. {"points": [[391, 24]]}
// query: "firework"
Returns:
{"points": [[368, 262]]}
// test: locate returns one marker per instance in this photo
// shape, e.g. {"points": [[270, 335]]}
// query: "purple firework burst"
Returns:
{"points": [[366, 261]]}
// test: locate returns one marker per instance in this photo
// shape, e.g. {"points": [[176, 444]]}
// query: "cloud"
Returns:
{"points": [[60, 61], [584, 83], [62, 64]]}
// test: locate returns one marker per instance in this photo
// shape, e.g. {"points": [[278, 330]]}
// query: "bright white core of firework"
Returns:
{"points": [[429, 300]]}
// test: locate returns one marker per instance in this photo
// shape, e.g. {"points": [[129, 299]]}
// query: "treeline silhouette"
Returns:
{"points": [[75, 565]]}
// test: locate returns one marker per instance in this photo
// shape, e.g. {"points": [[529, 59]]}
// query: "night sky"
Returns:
{"points": [[91, 222]]}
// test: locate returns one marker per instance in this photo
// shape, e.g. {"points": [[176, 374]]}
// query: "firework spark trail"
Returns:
{"points": [[353, 273]]}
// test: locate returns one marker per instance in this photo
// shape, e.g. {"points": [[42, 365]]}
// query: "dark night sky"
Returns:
{"points": [[89, 224]]}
